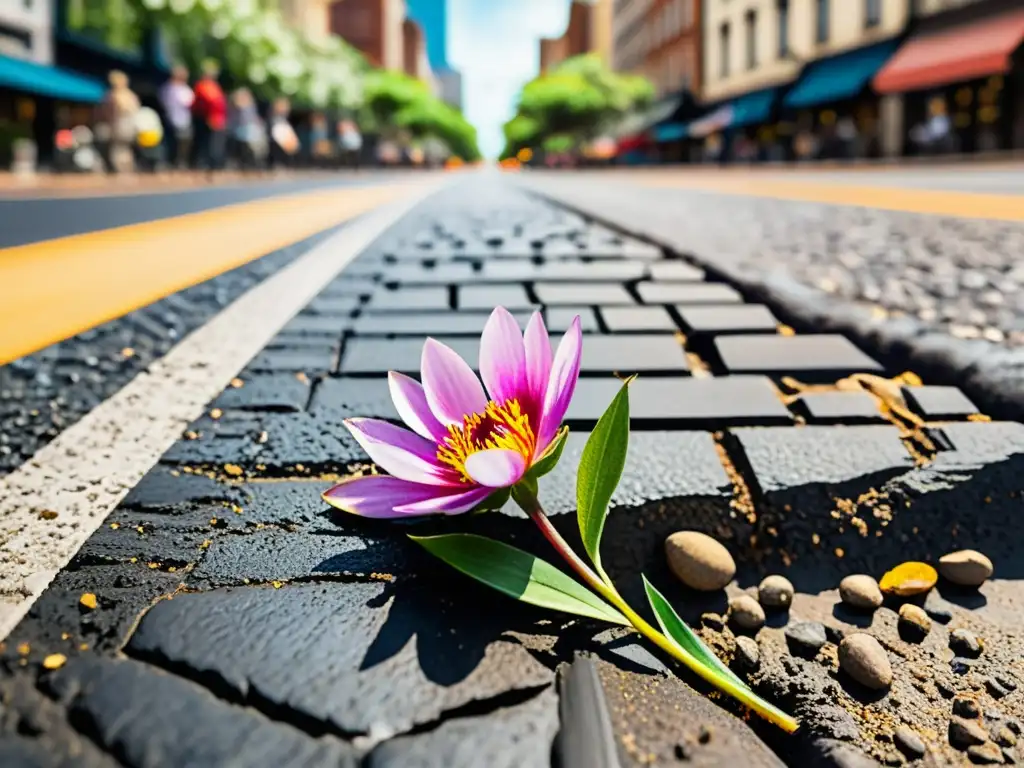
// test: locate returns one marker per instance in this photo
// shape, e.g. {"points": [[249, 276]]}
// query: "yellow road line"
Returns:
{"points": [[53, 290], [970, 205]]}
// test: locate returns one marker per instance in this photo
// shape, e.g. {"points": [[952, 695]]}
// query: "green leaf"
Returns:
{"points": [[600, 469], [680, 631], [518, 574], [494, 502], [551, 456]]}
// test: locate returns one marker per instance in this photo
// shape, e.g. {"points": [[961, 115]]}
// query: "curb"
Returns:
{"points": [[991, 375]]}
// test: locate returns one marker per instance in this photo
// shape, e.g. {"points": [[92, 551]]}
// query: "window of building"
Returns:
{"points": [[723, 44], [822, 21], [872, 13], [783, 16], [750, 21]]}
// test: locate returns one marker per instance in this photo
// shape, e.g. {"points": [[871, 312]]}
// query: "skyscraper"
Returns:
{"points": [[432, 16]]}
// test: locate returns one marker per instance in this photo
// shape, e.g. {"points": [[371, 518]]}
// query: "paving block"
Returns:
{"points": [[815, 358], [558, 319], [487, 297], [726, 319], [687, 293], [266, 392], [421, 325], [683, 403], [444, 273], [315, 326], [640, 353], [312, 360], [838, 408], [363, 356], [675, 271], [346, 398], [409, 299], [937, 403], [332, 304], [561, 271], [556, 294], [635, 319]]}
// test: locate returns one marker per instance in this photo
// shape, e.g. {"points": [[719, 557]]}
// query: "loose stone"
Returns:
{"points": [[960, 666], [966, 707], [914, 622], [860, 591], [1005, 737], [967, 568], [699, 561], [985, 754], [995, 688], [966, 733], [775, 592], [963, 642], [908, 742], [713, 621], [909, 579], [865, 660], [746, 613], [748, 654], [805, 638]]}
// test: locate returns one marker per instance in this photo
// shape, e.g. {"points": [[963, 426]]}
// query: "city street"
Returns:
{"points": [[830, 382]]}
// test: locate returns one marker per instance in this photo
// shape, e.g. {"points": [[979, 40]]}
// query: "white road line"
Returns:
{"points": [[85, 472]]}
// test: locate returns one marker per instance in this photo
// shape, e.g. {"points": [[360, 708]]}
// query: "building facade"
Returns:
{"points": [[374, 27], [432, 17], [415, 61], [312, 17], [450, 86], [26, 31], [589, 30]]}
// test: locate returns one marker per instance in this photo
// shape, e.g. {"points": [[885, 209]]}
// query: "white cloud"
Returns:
{"points": [[494, 43]]}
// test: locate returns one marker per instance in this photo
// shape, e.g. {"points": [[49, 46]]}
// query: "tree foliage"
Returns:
{"points": [[573, 103]]}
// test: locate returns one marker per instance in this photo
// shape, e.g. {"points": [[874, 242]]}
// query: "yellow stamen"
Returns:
{"points": [[499, 426]]}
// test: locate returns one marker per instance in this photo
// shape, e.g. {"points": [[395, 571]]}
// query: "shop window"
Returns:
{"points": [[783, 17], [751, 29], [822, 21], [723, 44], [872, 13]]}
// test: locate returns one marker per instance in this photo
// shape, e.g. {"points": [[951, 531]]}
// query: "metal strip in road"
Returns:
{"points": [[53, 290], [965, 205], [85, 472]]}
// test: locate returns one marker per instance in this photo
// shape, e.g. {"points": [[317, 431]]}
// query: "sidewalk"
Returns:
{"points": [[223, 614]]}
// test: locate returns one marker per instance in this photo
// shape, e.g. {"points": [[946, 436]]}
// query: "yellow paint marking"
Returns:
{"points": [[53, 290], [970, 205]]}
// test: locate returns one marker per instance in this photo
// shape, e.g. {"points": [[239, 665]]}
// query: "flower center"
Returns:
{"points": [[499, 426]]}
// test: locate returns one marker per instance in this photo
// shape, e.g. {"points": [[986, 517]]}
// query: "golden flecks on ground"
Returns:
{"points": [[302, 377], [65, 635], [742, 502], [153, 566], [216, 413], [127, 352], [979, 417], [191, 434], [840, 552], [47, 514], [237, 383], [83, 647], [206, 544], [908, 579], [24, 649], [785, 330], [699, 369], [277, 584], [263, 437], [382, 577], [55, 661], [234, 470], [88, 601]]}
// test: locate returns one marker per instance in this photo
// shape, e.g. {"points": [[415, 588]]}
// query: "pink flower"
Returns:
{"points": [[465, 444]]}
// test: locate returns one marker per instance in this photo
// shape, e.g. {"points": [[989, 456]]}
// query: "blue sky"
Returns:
{"points": [[494, 44]]}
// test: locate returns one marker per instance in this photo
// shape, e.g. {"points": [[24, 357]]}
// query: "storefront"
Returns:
{"points": [[634, 135], [960, 85], [831, 112], [731, 132]]}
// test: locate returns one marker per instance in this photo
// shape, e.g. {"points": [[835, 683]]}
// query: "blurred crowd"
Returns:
{"points": [[198, 126]]}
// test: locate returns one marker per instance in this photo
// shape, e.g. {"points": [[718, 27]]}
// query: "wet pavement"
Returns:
{"points": [[222, 613]]}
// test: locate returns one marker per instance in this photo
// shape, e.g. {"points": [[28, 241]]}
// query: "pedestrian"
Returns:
{"points": [[210, 113], [120, 107], [246, 129], [351, 143], [284, 143], [176, 99], [319, 141]]}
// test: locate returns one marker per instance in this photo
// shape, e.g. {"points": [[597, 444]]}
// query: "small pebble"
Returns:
{"points": [[967, 568], [908, 579], [860, 591], [1005, 680], [1009, 757], [966, 733], [699, 561], [746, 613], [748, 654], [775, 592], [995, 688], [805, 638], [914, 622], [1005, 737], [985, 754], [960, 666], [964, 706], [864, 659], [908, 742], [963, 642], [713, 621]]}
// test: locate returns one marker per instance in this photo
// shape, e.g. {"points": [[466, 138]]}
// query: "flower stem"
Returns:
{"points": [[607, 590]]}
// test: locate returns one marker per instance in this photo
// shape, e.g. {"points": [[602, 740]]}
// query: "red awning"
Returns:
{"points": [[978, 49]]}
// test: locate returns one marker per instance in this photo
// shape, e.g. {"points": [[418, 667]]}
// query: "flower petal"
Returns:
{"points": [[503, 358], [449, 504], [538, 358], [400, 452], [379, 495], [496, 467], [411, 404], [564, 372], [453, 391]]}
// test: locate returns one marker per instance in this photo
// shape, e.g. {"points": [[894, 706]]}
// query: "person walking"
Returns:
{"points": [[284, 143], [247, 132], [210, 112], [176, 99], [351, 142], [119, 110]]}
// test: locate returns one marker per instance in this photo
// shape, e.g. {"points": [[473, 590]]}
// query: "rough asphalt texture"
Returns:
{"points": [[929, 280], [238, 619]]}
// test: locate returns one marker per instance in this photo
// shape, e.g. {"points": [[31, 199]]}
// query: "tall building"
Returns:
{"points": [[450, 85], [312, 17], [432, 16], [581, 35], [414, 52], [374, 27], [660, 39], [26, 31]]}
